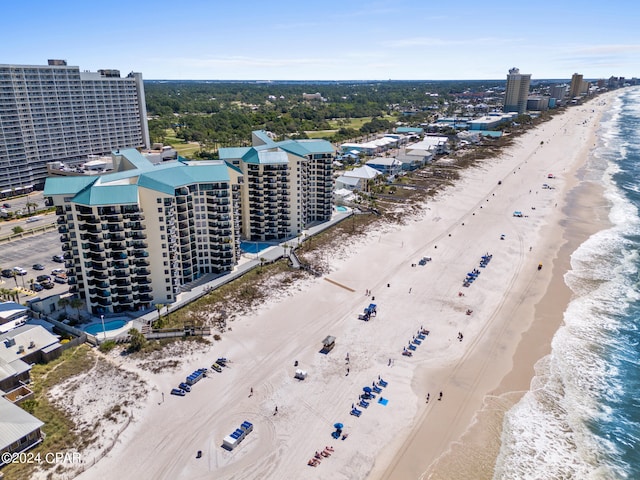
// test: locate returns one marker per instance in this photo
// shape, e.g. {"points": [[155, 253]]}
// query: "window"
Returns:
{"points": [[158, 200], [169, 297], [164, 254], [166, 272], [162, 237], [159, 209]]}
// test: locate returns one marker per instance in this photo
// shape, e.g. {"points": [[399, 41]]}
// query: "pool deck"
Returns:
{"points": [[109, 334]]}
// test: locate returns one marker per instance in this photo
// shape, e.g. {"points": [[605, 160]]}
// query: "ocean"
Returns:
{"points": [[581, 417]]}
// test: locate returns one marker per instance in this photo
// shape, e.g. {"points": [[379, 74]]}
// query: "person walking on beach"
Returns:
{"points": [[427, 398], [276, 411], [439, 398], [409, 289], [251, 392]]}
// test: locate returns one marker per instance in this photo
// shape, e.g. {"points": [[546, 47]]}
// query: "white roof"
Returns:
{"points": [[23, 336], [387, 161], [363, 172], [348, 180], [15, 423]]}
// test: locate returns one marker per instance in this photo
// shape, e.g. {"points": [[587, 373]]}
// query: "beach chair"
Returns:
{"points": [[417, 341], [407, 353], [355, 412], [382, 383], [377, 389], [421, 336], [412, 347], [363, 404]]}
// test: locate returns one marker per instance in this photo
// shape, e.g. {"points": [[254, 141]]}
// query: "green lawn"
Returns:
{"points": [[183, 148]]}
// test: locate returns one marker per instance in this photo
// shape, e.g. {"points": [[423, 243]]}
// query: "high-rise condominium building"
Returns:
{"points": [[287, 186], [132, 238], [56, 112], [517, 91], [576, 87]]}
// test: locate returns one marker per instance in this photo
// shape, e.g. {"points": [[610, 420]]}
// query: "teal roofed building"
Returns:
{"points": [[287, 185], [133, 237]]}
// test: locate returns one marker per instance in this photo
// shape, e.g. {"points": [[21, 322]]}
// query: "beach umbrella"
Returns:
{"points": [[367, 389], [338, 425]]}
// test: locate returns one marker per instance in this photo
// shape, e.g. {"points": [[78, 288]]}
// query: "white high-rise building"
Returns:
{"points": [[517, 91], [56, 112]]}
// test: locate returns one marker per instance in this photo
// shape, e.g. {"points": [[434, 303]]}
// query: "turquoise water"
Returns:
{"points": [[341, 209], [96, 328], [254, 247]]}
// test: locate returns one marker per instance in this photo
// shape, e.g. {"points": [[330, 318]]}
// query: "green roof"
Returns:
{"points": [[67, 185], [108, 195], [232, 152], [184, 174], [306, 147]]}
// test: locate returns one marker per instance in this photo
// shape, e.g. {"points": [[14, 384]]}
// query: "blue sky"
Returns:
{"points": [[328, 40]]}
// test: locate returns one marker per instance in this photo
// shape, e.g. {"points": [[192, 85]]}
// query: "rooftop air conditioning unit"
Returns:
{"points": [[32, 344], [21, 349]]}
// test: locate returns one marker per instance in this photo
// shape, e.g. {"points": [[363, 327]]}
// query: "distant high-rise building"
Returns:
{"points": [[558, 92], [56, 112], [576, 85], [517, 91]]}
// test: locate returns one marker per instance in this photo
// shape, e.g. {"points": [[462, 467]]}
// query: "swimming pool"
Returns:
{"points": [[254, 247], [340, 208], [96, 328]]}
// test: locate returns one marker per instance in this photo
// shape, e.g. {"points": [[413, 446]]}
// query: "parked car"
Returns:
{"points": [[6, 205], [36, 287], [43, 278], [185, 387], [58, 271], [38, 266], [33, 219], [19, 271], [58, 258], [48, 285], [216, 367], [7, 273], [178, 391], [60, 279]]}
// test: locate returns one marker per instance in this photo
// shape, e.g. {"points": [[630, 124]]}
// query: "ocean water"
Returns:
{"points": [[581, 418]]}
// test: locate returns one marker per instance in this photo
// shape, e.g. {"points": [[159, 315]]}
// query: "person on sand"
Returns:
{"points": [[440, 397], [427, 398]]}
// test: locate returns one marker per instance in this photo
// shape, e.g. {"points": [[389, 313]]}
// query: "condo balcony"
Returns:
{"points": [[141, 262], [120, 264]]}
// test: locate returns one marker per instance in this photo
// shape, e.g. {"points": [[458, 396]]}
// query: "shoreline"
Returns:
{"points": [[474, 452], [401, 438]]}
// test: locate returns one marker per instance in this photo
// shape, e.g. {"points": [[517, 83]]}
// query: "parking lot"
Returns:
{"points": [[28, 251]]}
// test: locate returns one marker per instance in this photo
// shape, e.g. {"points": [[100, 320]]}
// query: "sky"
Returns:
{"points": [[327, 40]]}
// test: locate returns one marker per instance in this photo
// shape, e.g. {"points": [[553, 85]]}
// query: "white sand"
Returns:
{"points": [[386, 441]]}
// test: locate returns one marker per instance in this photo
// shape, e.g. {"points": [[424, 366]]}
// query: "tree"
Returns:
{"points": [[63, 302], [138, 340], [17, 230], [76, 303]]}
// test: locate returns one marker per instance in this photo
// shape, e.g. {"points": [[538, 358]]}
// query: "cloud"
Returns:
{"points": [[608, 49], [443, 42]]}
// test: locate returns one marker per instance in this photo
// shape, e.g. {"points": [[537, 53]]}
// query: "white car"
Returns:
{"points": [[19, 271], [58, 271]]}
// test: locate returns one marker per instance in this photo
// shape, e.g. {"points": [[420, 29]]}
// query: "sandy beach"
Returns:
{"points": [[515, 309]]}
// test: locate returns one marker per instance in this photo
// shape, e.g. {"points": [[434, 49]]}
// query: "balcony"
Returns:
{"points": [[120, 264], [63, 229], [141, 263]]}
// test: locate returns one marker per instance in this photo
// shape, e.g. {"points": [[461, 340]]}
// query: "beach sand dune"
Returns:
{"points": [[402, 438]]}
